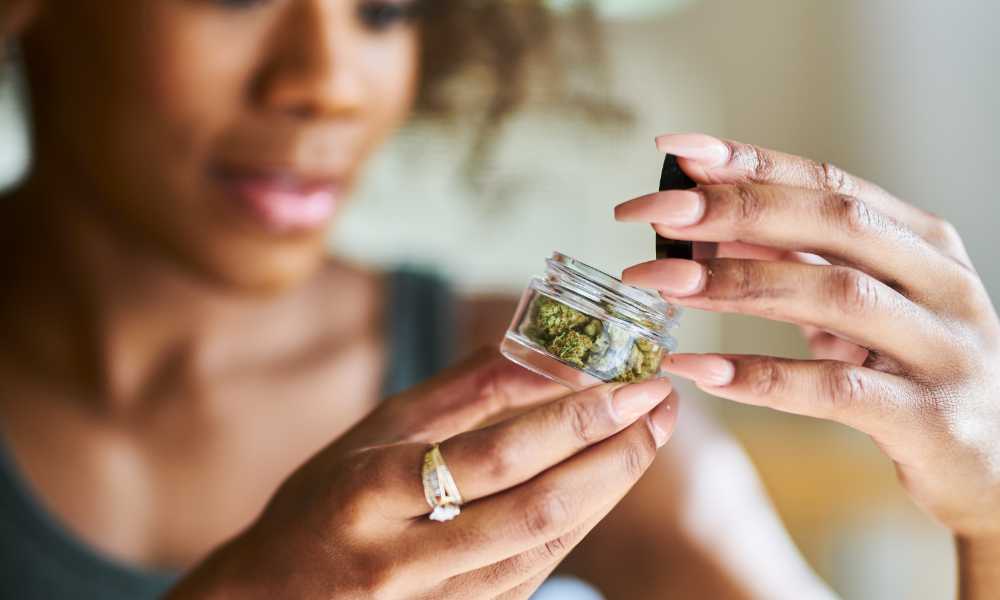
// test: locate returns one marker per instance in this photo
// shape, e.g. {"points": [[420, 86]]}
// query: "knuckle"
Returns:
{"points": [[555, 549], [766, 377], [852, 291], [581, 419], [547, 516], [749, 204], [968, 283], [851, 214], [758, 164], [843, 388], [501, 458], [743, 279], [490, 392], [832, 178], [942, 232], [944, 236], [978, 307], [636, 457]]}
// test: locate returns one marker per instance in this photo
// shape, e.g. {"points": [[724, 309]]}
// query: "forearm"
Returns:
{"points": [[978, 568]]}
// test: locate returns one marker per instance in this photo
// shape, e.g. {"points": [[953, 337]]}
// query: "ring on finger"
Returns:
{"points": [[440, 489]]}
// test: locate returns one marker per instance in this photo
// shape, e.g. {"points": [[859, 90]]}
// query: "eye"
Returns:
{"points": [[380, 15], [239, 4]]}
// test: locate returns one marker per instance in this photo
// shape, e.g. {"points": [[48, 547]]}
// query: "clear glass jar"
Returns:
{"points": [[581, 327]]}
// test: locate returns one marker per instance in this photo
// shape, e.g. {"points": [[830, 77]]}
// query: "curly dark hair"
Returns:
{"points": [[496, 36], [513, 50]]}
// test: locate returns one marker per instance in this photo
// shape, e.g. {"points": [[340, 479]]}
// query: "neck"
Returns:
{"points": [[102, 313]]}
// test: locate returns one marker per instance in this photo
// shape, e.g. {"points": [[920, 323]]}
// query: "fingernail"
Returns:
{"points": [[679, 208], [709, 151], [631, 401], [672, 276], [661, 422], [718, 371]]}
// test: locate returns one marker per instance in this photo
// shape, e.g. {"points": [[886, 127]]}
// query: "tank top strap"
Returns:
{"points": [[421, 310]]}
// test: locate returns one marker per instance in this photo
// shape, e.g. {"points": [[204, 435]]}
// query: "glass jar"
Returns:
{"points": [[581, 327]]}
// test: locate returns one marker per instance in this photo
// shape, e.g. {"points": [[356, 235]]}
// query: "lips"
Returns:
{"points": [[282, 201]]}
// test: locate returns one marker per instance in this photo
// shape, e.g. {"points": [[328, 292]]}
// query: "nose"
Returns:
{"points": [[313, 70]]}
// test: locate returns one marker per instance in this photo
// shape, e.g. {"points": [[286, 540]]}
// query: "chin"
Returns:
{"points": [[263, 269]]}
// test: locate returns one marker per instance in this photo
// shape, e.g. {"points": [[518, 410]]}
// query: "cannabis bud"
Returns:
{"points": [[580, 326], [605, 348]]}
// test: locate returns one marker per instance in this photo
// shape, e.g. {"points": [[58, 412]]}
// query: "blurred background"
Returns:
{"points": [[905, 94]]}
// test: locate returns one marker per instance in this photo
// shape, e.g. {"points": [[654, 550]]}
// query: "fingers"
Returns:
{"points": [[527, 589], [836, 299], [825, 345], [519, 576], [841, 228], [550, 505], [456, 400], [871, 401], [490, 460], [711, 160]]}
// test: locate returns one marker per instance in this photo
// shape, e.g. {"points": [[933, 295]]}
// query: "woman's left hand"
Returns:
{"points": [[908, 340]]}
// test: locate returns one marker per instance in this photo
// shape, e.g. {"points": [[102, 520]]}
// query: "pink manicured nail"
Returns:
{"points": [[679, 208], [717, 371], [672, 276], [631, 401], [705, 369], [709, 151]]}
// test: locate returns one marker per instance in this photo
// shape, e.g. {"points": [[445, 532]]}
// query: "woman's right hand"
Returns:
{"points": [[351, 522]]}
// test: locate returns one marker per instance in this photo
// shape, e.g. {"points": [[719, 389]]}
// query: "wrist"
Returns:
{"points": [[978, 566], [221, 576]]}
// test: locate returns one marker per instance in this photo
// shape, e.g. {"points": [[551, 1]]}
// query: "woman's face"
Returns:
{"points": [[223, 134]]}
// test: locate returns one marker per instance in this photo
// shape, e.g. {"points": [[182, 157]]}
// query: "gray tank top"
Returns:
{"points": [[40, 559]]}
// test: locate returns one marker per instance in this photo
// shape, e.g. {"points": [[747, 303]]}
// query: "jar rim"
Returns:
{"points": [[634, 307], [645, 297]]}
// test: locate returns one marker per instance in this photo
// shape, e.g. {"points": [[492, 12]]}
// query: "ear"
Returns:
{"points": [[15, 16]]}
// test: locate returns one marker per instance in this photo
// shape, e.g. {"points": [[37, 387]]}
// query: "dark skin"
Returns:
{"points": [[163, 335]]}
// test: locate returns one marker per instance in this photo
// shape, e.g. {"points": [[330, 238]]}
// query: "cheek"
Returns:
{"points": [[191, 88], [393, 72]]}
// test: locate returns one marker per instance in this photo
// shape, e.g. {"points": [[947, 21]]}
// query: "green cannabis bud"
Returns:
{"points": [[604, 349], [554, 318], [571, 346]]}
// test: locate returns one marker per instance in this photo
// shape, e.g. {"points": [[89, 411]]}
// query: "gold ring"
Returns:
{"points": [[439, 487]]}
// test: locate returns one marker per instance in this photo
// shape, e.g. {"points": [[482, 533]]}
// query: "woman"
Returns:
{"points": [[186, 374]]}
